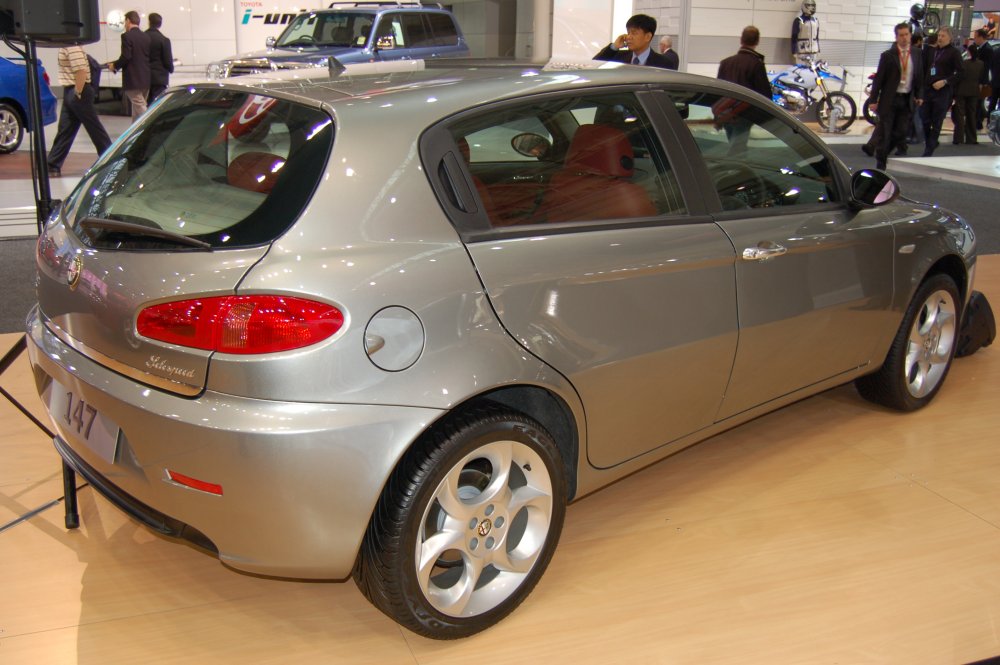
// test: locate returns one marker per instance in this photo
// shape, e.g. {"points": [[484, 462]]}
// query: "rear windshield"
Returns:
{"points": [[224, 168]]}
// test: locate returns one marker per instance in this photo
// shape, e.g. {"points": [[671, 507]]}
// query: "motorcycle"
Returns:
{"points": [[794, 89]]}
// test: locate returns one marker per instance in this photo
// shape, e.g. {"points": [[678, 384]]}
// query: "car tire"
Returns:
{"points": [[466, 524], [11, 129], [922, 351]]}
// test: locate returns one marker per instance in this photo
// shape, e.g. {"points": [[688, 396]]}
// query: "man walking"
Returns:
{"points": [[640, 30], [134, 64], [77, 108], [161, 58], [896, 92], [942, 67]]}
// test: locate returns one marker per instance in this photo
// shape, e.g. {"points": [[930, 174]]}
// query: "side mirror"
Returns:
{"points": [[531, 145], [871, 187], [385, 42], [270, 42]]}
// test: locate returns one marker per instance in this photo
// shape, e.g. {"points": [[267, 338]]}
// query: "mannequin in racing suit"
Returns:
{"points": [[805, 33]]}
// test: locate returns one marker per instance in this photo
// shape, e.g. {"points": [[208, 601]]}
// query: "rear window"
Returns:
{"points": [[443, 28], [224, 168]]}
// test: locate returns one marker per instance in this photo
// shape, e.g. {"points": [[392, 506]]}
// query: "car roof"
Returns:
{"points": [[442, 87]]}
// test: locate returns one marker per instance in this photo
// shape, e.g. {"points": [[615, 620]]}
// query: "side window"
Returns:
{"points": [[576, 159], [442, 29], [414, 31], [390, 32], [755, 159]]}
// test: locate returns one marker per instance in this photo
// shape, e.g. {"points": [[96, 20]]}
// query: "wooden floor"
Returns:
{"points": [[829, 532]]}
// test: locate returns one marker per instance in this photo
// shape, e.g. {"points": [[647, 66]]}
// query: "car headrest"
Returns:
{"points": [[600, 150], [254, 171]]}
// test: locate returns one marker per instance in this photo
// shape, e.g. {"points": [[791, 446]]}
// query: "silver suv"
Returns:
{"points": [[352, 33], [389, 325]]}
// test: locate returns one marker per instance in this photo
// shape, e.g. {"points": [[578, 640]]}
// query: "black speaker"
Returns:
{"points": [[52, 22]]}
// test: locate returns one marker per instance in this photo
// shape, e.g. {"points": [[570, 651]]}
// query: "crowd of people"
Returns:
{"points": [[146, 62], [917, 84]]}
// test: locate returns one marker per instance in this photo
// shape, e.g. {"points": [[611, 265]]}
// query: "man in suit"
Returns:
{"points": [[134, 64], [640, 30], [942, 68], [896, 91], [161, 58], [668, 52]]}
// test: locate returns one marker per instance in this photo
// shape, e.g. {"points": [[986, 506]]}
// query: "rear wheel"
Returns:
{"points": [[11, 129], [921, 353], [466, 525], [847, 111]]}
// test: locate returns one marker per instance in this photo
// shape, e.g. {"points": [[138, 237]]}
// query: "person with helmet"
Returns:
{"points": [[805, 33]]}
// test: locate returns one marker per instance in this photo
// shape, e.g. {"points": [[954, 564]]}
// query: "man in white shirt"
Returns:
{"points": [[77, 108]]}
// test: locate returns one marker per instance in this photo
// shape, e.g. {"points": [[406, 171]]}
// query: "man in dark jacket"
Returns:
{"points": [[986, 54], [134, 64], [942, 67], [640, 30], [161, 58], [747, 67], [896, 92]]}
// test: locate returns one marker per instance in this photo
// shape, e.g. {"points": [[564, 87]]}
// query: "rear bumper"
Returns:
{"points": [[299, 480]]}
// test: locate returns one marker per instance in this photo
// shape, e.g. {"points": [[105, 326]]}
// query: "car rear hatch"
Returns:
{"points": [[147, 253]]}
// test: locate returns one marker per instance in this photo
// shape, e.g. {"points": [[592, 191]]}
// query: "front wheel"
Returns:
{"points": [[869, 116], [921, 352], [11, 129], [466, 525], [847, 111]]}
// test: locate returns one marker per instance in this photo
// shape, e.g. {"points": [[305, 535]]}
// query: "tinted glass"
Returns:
{"points": [[443, 29], [415, 30], [226, 168], [570, 159], [755, 158]]}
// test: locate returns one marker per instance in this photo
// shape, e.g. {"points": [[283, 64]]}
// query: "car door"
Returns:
{"points": [[636, 306], [813, 275], [403, 36]]}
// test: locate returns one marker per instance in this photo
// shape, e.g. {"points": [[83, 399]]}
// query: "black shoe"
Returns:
{"points": [[54, 170], [928, 152], [880, 166], [868, 149], [901, 151]]}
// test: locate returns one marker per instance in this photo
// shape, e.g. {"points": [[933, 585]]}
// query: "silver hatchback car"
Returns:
{"points": [[388, 324]]}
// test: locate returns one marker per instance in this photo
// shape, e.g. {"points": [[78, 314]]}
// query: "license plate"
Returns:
{"points": [[83, 422]]}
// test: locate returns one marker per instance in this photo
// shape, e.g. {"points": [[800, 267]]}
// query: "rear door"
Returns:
{"points": [[637, 310]]}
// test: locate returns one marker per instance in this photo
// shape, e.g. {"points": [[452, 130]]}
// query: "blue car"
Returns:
{"points": [[14, 103], [371, 33]]}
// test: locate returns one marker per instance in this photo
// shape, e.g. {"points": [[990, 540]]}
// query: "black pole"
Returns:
{"points": [[69, 496], [40, 162]]}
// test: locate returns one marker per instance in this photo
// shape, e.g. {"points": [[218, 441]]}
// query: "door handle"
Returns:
{"points": [[763, 252]]}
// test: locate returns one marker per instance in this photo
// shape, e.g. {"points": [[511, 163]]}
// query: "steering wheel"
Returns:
{"points": [[740, 187]]}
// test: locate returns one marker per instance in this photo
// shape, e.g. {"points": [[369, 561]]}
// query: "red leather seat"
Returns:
{"points": [[254, 171], [593, 183]]}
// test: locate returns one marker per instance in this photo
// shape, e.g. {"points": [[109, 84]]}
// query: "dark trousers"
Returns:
{"points": [[933, 113], [155, 90], [892, 127], [76, 112], [965, 119]]}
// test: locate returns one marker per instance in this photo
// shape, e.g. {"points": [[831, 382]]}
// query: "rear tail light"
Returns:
{"points": [[241, 324]]}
